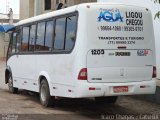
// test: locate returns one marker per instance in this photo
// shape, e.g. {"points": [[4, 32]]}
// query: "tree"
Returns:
{"points": [[157, 1], [157, 15]]}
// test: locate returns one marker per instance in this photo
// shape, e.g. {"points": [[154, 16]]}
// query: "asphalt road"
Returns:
{"points": [[26, 106]]}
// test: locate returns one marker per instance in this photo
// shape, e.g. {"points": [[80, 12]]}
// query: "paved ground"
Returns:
{"points": [[26, 106]]}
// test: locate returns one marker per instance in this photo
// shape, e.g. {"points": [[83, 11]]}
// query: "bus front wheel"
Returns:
{"points": [[10, 84], [45, 98]]}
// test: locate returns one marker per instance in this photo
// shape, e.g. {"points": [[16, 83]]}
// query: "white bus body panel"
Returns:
{"points": [[154, 7], [111, 67], [61, 70]]}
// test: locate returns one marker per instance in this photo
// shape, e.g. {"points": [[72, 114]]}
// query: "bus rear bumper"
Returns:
{"points": [[108, 89]]}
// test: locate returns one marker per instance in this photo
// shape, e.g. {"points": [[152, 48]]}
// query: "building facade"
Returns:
{"points": [[4, 40], [4, 37], [30, 8]]}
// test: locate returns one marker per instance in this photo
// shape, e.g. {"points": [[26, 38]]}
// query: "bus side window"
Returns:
{"points": [[10, 45], [32, 37], [40, 36], [60, 34], [49, 35], [25, 38], [70, 32], [14, 42], [18, 44]]}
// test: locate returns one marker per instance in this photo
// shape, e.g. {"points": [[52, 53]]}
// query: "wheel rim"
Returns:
{"points": [[10, 84], [43, 93]]}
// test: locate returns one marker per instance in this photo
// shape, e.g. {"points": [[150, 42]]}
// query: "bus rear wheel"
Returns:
{"points": [[45, 98], [10, 84], [106, 100]]}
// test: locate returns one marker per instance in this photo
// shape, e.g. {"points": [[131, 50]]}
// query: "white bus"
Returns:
{"points": [[89, 50]]}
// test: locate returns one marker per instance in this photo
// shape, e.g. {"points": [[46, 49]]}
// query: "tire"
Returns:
{"points": [[10, 85], [45, 98], [106, 100]]}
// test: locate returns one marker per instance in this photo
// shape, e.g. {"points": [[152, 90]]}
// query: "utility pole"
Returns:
{"points": [[10, 12], [7, 6]]}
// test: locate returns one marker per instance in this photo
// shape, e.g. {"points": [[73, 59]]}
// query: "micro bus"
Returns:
{"points": [[91, 50]]}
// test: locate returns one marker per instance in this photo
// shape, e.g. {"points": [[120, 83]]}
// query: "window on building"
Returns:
{"points": [[90, 1], [25, 38], [62, 4], [49, 36], [40, 36], [47, 4], [57, 1], [70, 32], [32, 37], [60, 34]]}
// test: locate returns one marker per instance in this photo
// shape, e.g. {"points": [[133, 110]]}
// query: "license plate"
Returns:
{"points": [[120, 89], [123, 54]]}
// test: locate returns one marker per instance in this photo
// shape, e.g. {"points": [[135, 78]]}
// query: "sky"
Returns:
{"points": [[14, 4]]}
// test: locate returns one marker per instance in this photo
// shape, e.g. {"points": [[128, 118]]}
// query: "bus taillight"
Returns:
{"points": [[82, 74], [154, 75]]}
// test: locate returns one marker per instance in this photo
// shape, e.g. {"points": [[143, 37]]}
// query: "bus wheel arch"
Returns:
{"points": [[9, 81], [40, 80], [43, 75], [7, 73], [44, 93]]}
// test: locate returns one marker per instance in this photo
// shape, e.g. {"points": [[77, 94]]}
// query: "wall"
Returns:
{"points": [[26, 9], [30, 8], [4, 40]]}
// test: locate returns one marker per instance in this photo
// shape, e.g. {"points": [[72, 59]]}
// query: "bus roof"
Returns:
{"points": [[60, 12]]}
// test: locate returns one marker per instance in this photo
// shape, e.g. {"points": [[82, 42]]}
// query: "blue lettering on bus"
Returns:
{"points": [[110, 16]]}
